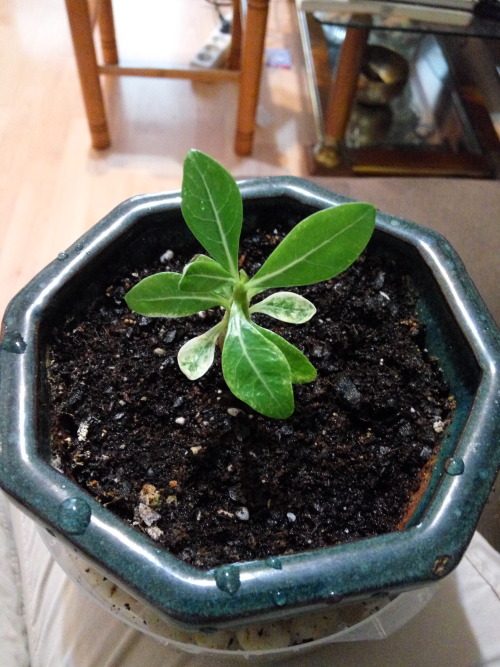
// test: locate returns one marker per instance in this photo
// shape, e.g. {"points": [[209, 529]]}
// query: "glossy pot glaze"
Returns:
{"points": [[460, 332]]}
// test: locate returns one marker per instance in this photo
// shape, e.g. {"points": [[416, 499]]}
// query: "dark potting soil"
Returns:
{"points": [[211, 480]]}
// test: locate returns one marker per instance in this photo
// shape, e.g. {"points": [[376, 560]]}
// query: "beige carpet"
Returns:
{"points": [[465, 211]]}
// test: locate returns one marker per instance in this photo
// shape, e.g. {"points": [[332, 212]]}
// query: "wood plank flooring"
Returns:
{"points": [[54, 186]]}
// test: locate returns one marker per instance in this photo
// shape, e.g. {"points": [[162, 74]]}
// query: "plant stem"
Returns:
{"points": [[240, 297], [222, 336]]}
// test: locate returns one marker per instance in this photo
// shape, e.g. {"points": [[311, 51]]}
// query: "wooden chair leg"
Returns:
{"points": [[107, 32], [251, 68], [83, 44], [234, 56]]}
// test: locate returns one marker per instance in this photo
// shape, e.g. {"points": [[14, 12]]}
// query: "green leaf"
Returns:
{"points": [[197, 355], [286, 306], [255, 369], [318, 248], [204, 274], [212, 208], [160, 296], [301, 368]]}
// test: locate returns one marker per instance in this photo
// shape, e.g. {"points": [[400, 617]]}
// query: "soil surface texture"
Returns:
{"points": [[211, 480]]}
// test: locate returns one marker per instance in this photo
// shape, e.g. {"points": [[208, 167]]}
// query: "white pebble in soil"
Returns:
{"points": [[242, 513], [154, 532], [167, 256], [83, 429], [147, 515], [438, 426], [234, 412]]}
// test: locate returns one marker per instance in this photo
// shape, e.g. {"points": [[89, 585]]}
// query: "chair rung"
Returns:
{"points": [[172, 73]]}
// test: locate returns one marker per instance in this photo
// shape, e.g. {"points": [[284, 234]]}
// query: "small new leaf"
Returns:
{"points": [[197, 355], [159, 295], [255, 369], [204, 274], [286, 306]]}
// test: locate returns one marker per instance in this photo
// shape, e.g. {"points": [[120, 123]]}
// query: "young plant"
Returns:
{"points": [[258, 365]]}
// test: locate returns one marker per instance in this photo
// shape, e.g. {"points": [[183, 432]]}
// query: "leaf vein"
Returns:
{"points": [[222, 234], [260, 377], [303, 258]]}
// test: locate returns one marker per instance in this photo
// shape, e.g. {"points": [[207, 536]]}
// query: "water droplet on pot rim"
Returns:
{"points": [[454, 466], [74, 516], [227, 579], [13, 342], [279, 598], [274, 562]]}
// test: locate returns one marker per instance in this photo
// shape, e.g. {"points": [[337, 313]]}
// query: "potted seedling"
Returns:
{"points": [[173, 426], [259, 366]]}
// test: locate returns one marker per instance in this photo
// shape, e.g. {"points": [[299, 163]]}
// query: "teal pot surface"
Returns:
{"points": [[460, 332]]}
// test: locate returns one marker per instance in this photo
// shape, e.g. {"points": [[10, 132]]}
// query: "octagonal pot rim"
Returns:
{"points": [[216, 598]]}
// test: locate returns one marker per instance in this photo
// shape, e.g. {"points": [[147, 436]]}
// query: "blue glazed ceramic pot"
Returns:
{"points": [[461, 334]]}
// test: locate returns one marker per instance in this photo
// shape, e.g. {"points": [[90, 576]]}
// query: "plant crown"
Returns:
{"points": [[258, 365]]}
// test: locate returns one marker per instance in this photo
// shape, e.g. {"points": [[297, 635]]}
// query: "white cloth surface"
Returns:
{"points": [[13, 637], [47, 621]]}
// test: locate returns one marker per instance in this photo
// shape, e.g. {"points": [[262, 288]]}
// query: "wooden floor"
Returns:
{"points": [[54, 186]]}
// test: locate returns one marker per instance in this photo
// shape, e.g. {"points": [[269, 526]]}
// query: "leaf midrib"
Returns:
{"points": [[303, 258], [188, 297], [222, 235], [237, 324]]}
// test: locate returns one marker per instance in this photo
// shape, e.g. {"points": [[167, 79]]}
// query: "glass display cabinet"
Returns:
{"points": [[389, 99]]}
